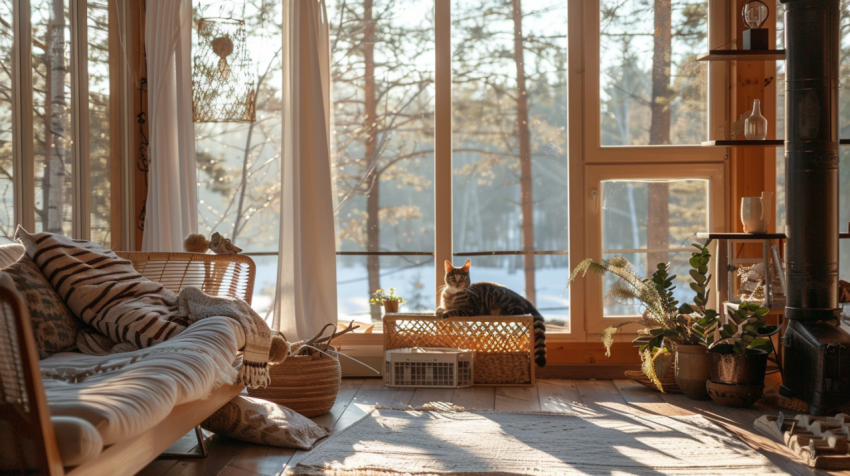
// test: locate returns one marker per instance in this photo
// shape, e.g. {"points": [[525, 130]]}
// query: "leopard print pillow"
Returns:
{"points": [[54, 326], [265, 423]]}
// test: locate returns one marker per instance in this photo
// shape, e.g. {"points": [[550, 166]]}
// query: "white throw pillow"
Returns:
{"points": [[266, 423]]}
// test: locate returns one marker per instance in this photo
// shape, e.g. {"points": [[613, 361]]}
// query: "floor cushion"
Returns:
{"points": [[266, 423], [54, 326]]}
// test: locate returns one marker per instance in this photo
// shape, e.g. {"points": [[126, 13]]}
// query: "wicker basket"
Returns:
{"points": [[306, 384], [502, 344]]}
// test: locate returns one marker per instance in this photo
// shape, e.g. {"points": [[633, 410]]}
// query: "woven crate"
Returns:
{"points": [[502, 344]]}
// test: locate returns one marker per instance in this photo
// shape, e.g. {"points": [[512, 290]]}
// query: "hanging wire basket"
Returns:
{"points": [[223, 80]]}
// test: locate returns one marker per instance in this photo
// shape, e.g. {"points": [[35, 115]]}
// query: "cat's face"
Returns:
{"points": [[457, 278]]}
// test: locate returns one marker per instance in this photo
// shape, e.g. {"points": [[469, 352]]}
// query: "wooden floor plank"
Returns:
{"points": [[260, 460], [157, 468], [646, 399], [347, 389], [561, 396], [517, 399], [475, 398], [439, 397], [602, 396], [221, 452], [401, 401]]}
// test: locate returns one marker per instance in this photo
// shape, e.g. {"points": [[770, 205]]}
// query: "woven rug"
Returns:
{"points": [[391, 443]]}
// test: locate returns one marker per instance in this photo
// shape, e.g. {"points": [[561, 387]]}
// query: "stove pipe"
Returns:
{"points": [[811, 155]]}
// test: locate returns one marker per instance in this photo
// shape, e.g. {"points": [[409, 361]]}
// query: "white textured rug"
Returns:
{"points": [[388, 442]]}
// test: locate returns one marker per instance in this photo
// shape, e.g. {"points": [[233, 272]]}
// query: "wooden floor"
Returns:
{"points": [[357, 396]]}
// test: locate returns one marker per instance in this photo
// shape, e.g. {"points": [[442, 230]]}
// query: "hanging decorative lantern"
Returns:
{"points": [[223, 81]]}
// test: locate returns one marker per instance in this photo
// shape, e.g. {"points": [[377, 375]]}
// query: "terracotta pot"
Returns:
{"points": [[732, 395], [390, 306], [739, 369], [663, 367], [693, 370]]}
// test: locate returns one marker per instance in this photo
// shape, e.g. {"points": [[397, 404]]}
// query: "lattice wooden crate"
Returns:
{"points": [[503, 345]]}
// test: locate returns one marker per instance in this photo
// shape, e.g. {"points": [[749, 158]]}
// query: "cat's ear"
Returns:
{"points": [[449, 266], [466, 265]]}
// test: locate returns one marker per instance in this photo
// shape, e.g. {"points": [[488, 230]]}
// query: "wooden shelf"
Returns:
{"points": [[742, 55], [755, 143], [744, 143], [742, 236]]}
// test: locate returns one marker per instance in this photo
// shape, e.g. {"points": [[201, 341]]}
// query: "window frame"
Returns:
{"points": [[23, 149]]}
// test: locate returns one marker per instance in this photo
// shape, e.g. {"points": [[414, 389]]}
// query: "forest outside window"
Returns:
{"points": [[62, 96], [652, 90], [509, 149]]}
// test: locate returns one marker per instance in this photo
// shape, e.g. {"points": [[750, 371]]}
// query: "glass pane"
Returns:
{"points": [[411, 276], [52, 127], [780, 119], [844, 133], [238, 164], [264, 286], [651, 88], [649, 223], [7, 185], [383, 93], [509, 101], [99, 124]]}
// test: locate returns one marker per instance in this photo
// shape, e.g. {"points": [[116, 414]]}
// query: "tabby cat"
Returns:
{"points": [[460, 298]]}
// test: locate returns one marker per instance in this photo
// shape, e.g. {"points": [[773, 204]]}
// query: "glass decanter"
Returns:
{"points": [[755, 126]]}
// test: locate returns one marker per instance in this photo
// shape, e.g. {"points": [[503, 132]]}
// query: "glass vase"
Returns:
{"points": [[755, 126]]}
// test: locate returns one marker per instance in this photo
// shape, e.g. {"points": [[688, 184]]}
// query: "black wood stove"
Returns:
{"points": [[817, 350]]}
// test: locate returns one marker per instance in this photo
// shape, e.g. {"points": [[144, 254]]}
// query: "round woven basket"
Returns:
{"points": [[306, 384]]}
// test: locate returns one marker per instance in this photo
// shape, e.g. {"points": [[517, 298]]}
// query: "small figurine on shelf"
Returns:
{"points": [[389, 300]]}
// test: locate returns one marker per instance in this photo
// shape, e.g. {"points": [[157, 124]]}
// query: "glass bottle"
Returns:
{"points": [[755, 126]]}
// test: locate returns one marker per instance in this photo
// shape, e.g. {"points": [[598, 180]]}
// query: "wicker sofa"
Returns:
{"points": [[24, 404]]}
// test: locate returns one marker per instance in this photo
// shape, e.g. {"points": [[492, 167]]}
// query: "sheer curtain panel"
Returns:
{"points": [[306, 292], [171, 210]]}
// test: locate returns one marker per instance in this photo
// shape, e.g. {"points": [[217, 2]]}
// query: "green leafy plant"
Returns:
{"points": [[665, 323], [745, 331], [381, 296]]}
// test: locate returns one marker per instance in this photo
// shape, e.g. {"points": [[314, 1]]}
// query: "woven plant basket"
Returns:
{"points": [[306, 384]]}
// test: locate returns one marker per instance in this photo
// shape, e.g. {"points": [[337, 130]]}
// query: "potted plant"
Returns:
{"points": [[389, 300], [685, 331], [739, 358]]}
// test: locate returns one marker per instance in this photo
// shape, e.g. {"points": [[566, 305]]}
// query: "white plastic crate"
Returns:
{"points": [[428, 367]]}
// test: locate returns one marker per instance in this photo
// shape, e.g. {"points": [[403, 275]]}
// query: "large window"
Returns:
{"points": [[58, 131], [514, 211]]}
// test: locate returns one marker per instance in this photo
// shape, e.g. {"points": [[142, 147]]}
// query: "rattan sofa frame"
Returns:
{"points": [[23, 403]]}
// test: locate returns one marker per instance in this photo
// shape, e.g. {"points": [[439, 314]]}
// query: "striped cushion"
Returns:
{"points": [[104, 290]]}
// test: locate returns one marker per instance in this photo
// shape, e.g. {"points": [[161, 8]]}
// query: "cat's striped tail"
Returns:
{"points": [[539, 338]]}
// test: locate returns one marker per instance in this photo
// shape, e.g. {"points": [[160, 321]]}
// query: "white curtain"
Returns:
{"points": [[171, 210], [306, 292]]}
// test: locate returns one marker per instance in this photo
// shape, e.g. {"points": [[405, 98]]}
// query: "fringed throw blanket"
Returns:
{"points": [[106, 292]]}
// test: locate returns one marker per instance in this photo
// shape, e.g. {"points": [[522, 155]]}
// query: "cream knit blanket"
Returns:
{"points": [[131, 311]]}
